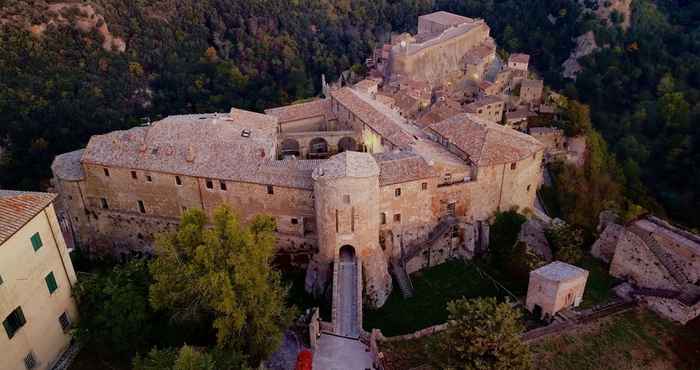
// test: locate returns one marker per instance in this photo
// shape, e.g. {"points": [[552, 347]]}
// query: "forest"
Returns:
{"points": [[60, 86]]}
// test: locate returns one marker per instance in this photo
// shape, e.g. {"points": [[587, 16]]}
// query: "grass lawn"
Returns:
{"points": [[408, 354], [634, 340], [434, 287]]}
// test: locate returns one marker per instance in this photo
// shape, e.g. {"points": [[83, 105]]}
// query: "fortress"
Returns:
{"points": [[346, 177]]}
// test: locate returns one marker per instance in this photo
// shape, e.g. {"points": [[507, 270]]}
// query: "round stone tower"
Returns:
{"points": [[346, 191]]}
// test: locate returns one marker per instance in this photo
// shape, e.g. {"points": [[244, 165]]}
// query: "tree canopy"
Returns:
{"points": [[224, 272], [482, 334]]}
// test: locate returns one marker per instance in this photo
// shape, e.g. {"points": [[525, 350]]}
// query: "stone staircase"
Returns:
{"points": [[669, 264], [398, 268], [689, 297], [67, 357], [402, 280]]}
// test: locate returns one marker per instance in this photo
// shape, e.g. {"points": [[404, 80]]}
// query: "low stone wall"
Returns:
{"points": [[415, 335], [672, 309]]}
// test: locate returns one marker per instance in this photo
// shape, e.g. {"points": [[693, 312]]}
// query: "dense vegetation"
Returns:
{"points": [[644, 93], [59, 88], [213, 288]]}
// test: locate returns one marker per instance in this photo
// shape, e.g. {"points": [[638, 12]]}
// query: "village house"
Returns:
{"points": [[37, 308]]}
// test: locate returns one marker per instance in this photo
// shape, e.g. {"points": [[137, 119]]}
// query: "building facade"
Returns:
{"points": [[36, 280], [402, 196]]}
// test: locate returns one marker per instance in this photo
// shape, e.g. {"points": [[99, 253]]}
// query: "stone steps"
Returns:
{"points": [[671, 266], [403, 281], [67, 357]]}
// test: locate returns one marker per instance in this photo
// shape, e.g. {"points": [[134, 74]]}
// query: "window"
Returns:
{"points": [[528, 187], [133, 175], [30, 361], [64, 320], [13, 322], [36, 242], [222, 185], [397, 217], [270, 190], [346, 199], [178, 180], [382, 217], [512, 166], [142, 209], [149, 178], [451, 208], [210, 184], [245, 133], [103, 203], [106, 171], [397, 192], [0, 279], [424, 186], [51, 282], [295, 221]]}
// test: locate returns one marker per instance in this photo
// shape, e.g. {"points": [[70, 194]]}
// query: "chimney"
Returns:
{"points": [[190, 154]]}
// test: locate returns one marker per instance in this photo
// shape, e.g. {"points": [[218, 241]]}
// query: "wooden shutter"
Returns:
{"points": [[51, 282], [36, 241]]}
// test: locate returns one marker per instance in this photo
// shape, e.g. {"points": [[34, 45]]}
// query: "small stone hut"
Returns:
{"points": [[555, 287]]}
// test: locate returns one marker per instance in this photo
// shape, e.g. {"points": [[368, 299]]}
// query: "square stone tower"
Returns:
{"points": [[555, 287]]}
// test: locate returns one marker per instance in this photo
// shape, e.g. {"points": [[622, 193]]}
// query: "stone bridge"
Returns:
{"points": [[347, 293], [316, 144]]}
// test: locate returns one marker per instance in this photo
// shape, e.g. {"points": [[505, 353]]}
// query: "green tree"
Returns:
{"points": [[186, 358], [223, 271], [503, 235], [567, 243], [115, 317], [522, 261], [482, 334], [577, 118]]}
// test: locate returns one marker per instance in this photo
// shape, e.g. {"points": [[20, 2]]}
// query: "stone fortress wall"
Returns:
{"points": [[346, 170], [436, 53]]}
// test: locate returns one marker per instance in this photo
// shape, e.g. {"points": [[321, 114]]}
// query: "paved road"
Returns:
{"points": [[336, 353], [347, 317]]}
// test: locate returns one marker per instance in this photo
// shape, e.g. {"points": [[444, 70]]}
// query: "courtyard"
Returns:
{"points": [[434, 287]]}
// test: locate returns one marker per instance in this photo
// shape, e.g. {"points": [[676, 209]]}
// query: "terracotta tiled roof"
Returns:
{"points": [[519, 58], [485, 142], [320, 107], [402, 166], [17, 208], [67, 166], [519, 114], [379, 121], [386, 100], [486, 100], [366, 85], [237, 147], [406, 104]]}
